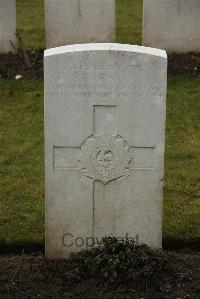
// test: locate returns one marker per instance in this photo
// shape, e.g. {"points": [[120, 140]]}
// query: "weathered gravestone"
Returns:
{"points": [[173, 25], [105, 134], [79, 21], [7, 25]]}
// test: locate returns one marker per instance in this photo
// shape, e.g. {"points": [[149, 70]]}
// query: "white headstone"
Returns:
{"points": [[79, 21], [172, 25], [104, 144], [7, 25]]}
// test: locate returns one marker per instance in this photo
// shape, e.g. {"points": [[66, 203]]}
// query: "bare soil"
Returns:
{"points": [[30, 64], [31, 276]]}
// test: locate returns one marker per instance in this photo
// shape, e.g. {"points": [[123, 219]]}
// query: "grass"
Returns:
{"points": [[21, 161], [182, 161], [22, 170], [21, 147], [129, 21], [30, 23]]}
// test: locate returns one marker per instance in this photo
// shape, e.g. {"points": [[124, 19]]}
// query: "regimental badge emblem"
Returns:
{"points": [[105, 158]]}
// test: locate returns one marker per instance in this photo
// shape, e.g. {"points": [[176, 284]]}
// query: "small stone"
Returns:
{"points": [[18, 77]]}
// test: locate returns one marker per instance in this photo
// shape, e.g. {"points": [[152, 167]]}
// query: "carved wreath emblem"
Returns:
{"points": [[104, 158]]}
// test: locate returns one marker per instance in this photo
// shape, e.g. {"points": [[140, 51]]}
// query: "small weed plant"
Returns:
{"points": [[119, 261]]}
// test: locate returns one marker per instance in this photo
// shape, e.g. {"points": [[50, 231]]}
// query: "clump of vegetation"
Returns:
{"points": [[119, 261]]}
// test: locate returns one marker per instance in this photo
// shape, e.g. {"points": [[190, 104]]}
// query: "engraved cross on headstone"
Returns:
{"points": [[104, 156]]}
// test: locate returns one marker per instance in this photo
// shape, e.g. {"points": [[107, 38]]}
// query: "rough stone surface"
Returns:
{"points": [[7, 25], [104, 144], [172, 25], [79, 21]]}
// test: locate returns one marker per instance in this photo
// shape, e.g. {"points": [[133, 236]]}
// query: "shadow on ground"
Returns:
{"points": [[27, 247]]}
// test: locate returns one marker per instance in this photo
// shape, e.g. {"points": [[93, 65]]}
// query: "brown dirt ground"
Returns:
{"points": [[30, 64], [31, 276]]}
